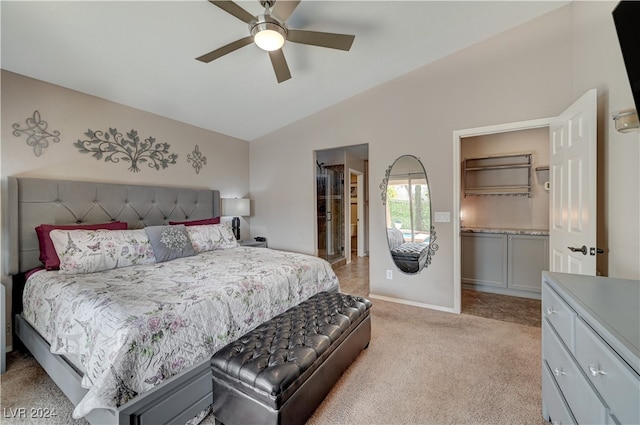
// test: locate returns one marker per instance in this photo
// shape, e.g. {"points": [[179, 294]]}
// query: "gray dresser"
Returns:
{"points": [[590, 349]]}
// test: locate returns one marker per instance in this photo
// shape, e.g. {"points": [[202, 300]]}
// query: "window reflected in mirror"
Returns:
{"points": [[407, 200]]}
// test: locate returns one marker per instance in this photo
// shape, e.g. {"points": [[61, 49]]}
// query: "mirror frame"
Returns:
{"points": [[432, 246]]}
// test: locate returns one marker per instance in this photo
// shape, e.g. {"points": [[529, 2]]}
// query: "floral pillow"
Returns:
{"points": [[169, 242], [48, 254], [88, 251], [211, 237]]}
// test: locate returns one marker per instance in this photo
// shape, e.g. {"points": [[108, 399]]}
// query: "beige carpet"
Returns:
{"points": [[422, 367]]}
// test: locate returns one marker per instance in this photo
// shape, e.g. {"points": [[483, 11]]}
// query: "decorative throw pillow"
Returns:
{"points": [[48, 254], [88, 251], [211, 237], [169, 242], [214, 220]]}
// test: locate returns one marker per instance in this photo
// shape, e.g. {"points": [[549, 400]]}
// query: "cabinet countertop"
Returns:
{"points": [[530, 232]]}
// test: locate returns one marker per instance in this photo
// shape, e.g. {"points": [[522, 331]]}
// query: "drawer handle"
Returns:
{"points": [[550, 311], [595, 371], [559, 372]]}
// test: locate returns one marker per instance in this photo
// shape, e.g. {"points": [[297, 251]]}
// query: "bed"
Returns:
{"points": [[177, 313]]}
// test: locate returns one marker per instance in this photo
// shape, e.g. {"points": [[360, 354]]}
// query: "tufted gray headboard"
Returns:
{"points": [[33, 201]]}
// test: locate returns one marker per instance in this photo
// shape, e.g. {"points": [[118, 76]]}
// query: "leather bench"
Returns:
{"points": [[410, 257], [282, 370]]}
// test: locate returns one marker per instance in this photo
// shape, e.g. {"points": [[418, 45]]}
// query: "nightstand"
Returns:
{"points": [[253, 243]]}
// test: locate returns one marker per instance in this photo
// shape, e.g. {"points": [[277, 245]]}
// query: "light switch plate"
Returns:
{"points": [[443, 217]]}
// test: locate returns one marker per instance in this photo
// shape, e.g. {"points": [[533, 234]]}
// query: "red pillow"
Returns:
{"points": [[214, 220], [48, 254]]}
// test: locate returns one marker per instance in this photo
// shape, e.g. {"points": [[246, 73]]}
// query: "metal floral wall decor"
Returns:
{"points": [[197, 159], [114, 147], [36, 132]]}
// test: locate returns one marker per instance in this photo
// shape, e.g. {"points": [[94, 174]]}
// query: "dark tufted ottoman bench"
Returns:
{"points": [[282, 370]]}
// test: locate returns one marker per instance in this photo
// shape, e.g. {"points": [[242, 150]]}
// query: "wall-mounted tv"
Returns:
{"points": [[626, 17]]}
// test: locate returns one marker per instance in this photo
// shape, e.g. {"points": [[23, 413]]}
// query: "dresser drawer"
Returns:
{"points": [[553, 400], [616, 382], [559, 314], [586, 406]]}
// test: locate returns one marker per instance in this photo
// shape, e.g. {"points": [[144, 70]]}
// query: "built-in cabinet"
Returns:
{"points": [[590, 349], [506, 263]]}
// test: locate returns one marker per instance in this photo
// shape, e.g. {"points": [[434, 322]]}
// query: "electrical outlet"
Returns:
{"points": [[389, 274]]}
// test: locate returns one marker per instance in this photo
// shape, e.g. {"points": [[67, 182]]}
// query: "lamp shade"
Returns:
{"points": [[236, 207]]}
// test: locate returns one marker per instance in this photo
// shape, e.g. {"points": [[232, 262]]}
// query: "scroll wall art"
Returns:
{"points": [[115, 147], [36, 132], [197, 159]]}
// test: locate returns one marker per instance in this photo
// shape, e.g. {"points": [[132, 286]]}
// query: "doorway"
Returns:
{"points": [[573, 186], [459, 136], [355, 217], [330, 207], [341, 203]]}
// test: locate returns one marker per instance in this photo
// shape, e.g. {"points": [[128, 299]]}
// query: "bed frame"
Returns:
{"points": [[32, 202]]}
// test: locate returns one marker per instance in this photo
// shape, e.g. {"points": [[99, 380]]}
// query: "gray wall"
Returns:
{"points": [[533, 71], [515, 212], [72, 113]]}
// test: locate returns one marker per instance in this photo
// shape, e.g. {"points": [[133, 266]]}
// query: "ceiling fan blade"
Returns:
{"points": [[235, 10], [284, 8], [322, 39], [208, 57], [280, 65]]}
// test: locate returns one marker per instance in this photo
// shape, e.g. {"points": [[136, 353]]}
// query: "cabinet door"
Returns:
{"points": [[528, 257], [484, 259]]}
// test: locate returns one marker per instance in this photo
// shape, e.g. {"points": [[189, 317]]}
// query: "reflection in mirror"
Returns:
{"points": [[410, 232]]}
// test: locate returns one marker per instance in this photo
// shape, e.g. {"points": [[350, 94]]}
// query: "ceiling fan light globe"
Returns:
{"points": [[268, 33], [269, 40]]}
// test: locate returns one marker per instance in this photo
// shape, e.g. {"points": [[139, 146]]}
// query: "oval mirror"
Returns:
{"points": [[407, 200]]}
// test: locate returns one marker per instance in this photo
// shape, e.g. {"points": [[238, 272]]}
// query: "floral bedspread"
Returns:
{"points": [[134, 327]]}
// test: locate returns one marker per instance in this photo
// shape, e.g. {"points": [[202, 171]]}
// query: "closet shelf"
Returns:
{"points": [[498, 175], [498, 167]]}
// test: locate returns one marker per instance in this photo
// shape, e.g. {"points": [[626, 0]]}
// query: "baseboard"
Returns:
{"points": [[502, 291], [414, 303]]}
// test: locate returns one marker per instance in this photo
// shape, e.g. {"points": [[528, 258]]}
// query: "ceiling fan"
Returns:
{"points": [[269, 32]]}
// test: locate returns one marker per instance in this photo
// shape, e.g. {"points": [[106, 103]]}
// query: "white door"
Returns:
{"points": [[572, 172]]}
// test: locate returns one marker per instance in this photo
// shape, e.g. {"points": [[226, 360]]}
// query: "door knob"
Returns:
{"points": [[583, 249], [594, 251]]}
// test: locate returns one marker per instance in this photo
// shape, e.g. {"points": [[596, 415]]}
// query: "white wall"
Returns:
{"points": [[533, 71]]}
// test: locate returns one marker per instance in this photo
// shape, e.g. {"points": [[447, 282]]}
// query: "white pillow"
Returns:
{"points": [[210, 237], [88, 251]]}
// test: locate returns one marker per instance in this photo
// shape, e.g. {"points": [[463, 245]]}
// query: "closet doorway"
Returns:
{"points": [[572, 182]]}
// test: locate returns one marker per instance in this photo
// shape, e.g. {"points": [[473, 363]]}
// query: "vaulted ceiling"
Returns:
{"points": [[142, 53]]}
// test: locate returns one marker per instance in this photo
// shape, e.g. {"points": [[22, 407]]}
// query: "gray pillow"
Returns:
{"points": [[169, 242]]}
